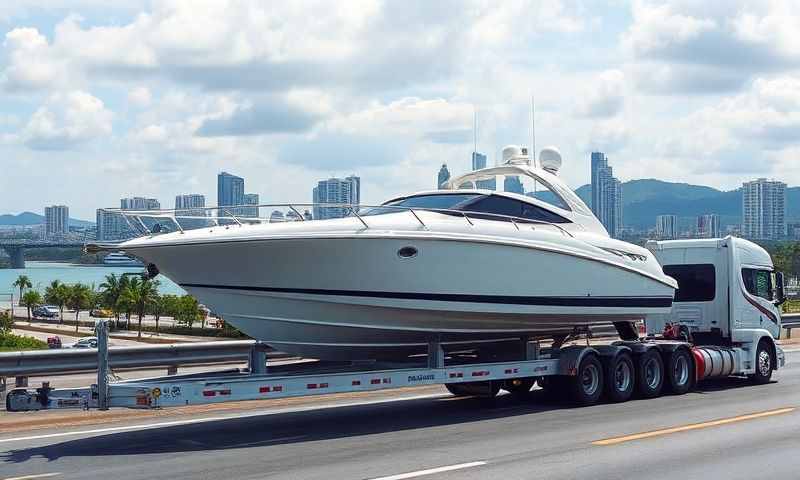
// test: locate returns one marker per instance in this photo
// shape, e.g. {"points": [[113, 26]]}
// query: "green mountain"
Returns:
{"points": [[644, 199], [30, 218]]}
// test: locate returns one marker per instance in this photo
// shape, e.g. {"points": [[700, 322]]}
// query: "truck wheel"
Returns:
{"points": [[649, 374], [586, 387], [764, 363], [679, 371], [519, 386], [474, 389], [619, 378], [456, 389]]}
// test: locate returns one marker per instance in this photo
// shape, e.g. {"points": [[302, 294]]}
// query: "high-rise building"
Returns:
{"points": [[764, 209], [444, 176], [230, 190], [139, 203], [512, 183], [708, 226], [606, 194], [478, 163], [56, 220], [336, 190], [191, 205], [793, 230], [252, 212], [666, 227]]}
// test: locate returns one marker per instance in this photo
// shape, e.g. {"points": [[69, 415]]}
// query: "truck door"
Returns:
{"points": [[759, 290], [701, 289]]}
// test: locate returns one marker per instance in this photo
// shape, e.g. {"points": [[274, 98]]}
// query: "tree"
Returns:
{"points": [[145, 294], [128, 299], [22, 282], [6, 323], [157, 307], [110, 290], [31, 299], [80, 298], [188, 311], [57, 294]]}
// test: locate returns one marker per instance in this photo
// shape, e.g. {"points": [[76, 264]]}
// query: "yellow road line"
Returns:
{"points": [[693, 426]]}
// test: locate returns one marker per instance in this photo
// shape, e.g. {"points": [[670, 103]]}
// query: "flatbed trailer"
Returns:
{"points": [[725, 321]]}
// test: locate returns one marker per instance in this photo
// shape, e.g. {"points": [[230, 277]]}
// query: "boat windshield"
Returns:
{"points": [[434, 201]]}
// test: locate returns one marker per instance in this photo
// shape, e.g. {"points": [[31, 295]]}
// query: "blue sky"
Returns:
{"points": [[155, 98]]}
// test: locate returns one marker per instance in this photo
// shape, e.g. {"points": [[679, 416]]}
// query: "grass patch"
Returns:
{"points": [[15, 343], [791, 306]]}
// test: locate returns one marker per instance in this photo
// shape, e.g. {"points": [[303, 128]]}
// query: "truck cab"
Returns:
{"points": [[729, 295]]}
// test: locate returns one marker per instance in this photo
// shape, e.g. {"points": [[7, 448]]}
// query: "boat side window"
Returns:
{"points": [[499, 205], [450, 201], [758, 282], [696, 282]]}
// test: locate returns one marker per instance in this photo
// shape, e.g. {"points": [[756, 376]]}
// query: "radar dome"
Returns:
{"points": [[515, 154], [550, 159]]}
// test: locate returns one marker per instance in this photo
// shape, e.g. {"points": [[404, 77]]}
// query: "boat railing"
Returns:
{"points": [[153, 222]]}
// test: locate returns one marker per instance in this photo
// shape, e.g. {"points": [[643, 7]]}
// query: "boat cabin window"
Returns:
{"points": [[696, 282], [498, 205], [433, 201], [759, 282]]}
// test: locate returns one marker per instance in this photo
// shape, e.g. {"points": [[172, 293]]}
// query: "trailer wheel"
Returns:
{"points": [[619, 378], [649, 374], [456, 389], [488, 389], [586, 387], [519, 386], [679, 371], [764, 363]]}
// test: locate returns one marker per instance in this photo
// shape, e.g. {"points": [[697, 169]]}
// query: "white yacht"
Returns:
{"points": [[461, 266], [119, 259]]}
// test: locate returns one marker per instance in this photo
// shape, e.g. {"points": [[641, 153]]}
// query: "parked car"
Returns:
{"points": [[87, 342], [54, 342], [44, 312], [101, 313]]}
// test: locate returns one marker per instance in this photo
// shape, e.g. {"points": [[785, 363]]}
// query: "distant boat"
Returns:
{"points": [[118, 259]]}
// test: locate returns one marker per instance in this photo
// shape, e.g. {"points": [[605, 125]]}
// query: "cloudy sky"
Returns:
{"points": [[155, 98]]}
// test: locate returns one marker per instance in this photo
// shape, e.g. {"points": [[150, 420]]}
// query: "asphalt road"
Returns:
{"points": [[434, 436]]}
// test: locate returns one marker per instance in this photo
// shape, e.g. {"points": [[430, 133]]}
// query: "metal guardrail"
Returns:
{"points": [[37, 362], [790, 321]]}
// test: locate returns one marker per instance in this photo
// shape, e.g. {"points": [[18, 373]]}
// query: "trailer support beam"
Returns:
{"points": [[101, 332], [435, 354]]}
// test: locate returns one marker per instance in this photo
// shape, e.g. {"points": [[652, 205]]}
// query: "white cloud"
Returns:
{"points": [[139, 97], [605, 97], [67, 120]]}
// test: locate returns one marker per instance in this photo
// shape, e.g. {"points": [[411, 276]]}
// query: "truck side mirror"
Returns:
{"points": [[781, 293]]}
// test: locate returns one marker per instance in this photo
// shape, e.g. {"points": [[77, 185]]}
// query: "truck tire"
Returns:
{"points": [[649, 374], [764, 364], [620, 378], [487, 389], [586, 387], [519, 386], [456, 389], [679, 371]]}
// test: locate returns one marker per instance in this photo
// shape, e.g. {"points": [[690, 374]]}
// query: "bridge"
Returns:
{"points": [[16, 248]]}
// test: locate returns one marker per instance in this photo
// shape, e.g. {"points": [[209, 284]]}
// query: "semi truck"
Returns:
{"points": [[725, 321]]}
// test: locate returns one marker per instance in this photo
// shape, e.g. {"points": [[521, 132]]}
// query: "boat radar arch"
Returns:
{"points": [[550, 159]]}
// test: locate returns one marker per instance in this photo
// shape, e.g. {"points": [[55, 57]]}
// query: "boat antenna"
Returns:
{"points": [[532, 152], [474, 129]]}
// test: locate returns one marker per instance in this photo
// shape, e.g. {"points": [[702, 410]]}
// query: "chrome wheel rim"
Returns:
{"points": [[622, 376], [681, 371], [652, 374], [764, 363], [590, 380]]}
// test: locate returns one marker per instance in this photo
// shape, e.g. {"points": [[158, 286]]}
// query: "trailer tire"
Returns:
{"points": [[649, 374], [620, 378], [765, 360], [586, 387], [679, 371], [455, 389], [488, 389]]}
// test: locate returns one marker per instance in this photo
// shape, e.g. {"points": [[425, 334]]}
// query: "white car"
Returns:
{"points": [[53, 310], [87, 342]]}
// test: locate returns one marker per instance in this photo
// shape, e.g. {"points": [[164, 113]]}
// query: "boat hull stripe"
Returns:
{"points": [[632, 302]]}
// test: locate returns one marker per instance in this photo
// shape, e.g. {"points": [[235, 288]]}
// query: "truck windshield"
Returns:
{"points": [[696, 283]]}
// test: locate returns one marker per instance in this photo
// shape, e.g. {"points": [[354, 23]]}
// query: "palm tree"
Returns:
{"points": [[57, 293], [128, 298], [22, 282], [111, 289], [31, 300], [145, 295], [80, 298]]}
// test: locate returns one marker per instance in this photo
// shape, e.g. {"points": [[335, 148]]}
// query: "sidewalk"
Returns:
{"points": [[132, 335]]}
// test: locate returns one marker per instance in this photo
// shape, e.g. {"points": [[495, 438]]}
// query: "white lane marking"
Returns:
{"points": [[431, 471], [149, 426], [31, 477]]}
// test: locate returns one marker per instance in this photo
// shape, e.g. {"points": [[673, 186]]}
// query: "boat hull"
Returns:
{"points": [[358, 298]]}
